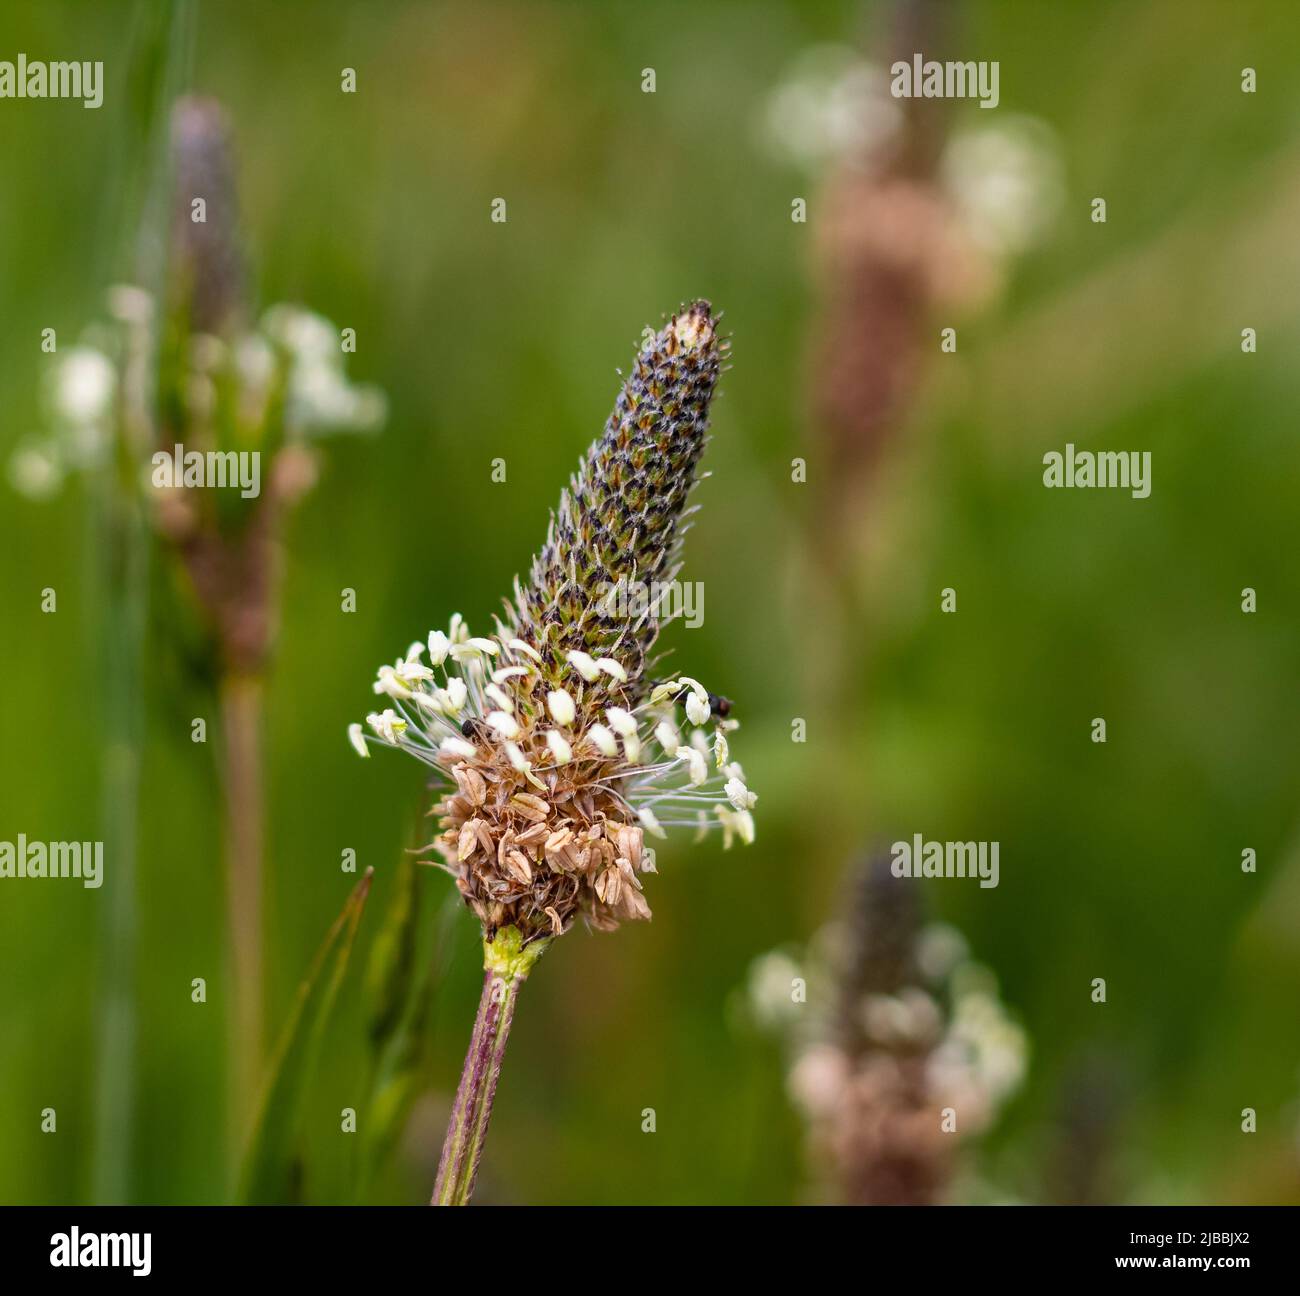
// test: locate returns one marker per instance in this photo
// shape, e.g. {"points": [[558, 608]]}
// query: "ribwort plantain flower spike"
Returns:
{"points": [[621, 518], [555, 752]]}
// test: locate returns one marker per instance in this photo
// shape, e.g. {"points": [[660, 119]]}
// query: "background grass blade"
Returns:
{"points": [[391, 968], [272, 1169]]}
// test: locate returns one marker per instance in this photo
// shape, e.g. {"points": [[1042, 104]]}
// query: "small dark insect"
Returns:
{"points": [[474, 728]]}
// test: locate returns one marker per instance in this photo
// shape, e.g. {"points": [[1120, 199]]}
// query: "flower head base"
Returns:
{"points": [[548, 792], [557, 757]]}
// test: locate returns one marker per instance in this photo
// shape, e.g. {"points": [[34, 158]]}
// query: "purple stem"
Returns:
{"points": [[470, 1113]]}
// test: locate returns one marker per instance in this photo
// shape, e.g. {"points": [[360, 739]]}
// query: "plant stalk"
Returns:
{"points": [[506, 965], [241, 710], [124, 548]]}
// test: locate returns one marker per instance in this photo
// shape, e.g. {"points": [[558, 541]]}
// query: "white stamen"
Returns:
{"points": [[739, 795], [527, 649], [439, 647], [603, 740], [721, 749], [500, 697], [561, 707], [473, 648], [388, 725], [389, 683], [503, 723], [621, 721], [612, 668], [699, 767], [584, 664], [662, 692]]}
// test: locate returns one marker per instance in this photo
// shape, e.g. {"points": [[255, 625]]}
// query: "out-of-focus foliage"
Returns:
{"points": [[273, 1169]]}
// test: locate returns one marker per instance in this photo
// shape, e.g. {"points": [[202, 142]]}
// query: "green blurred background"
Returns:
{"points": [[1119, 861]]}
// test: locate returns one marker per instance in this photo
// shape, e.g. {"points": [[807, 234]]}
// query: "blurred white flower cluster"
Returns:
{"points": [[319, 398], [977, 1054], [1006, 181], [293, 354], [1004, 178], [889, 1082], [831, 105], [982, 1056], [81, 397]]}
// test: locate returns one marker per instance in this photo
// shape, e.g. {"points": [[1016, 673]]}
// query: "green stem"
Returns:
{"points": [[507, 962], [125, 557], [160, 41]]}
